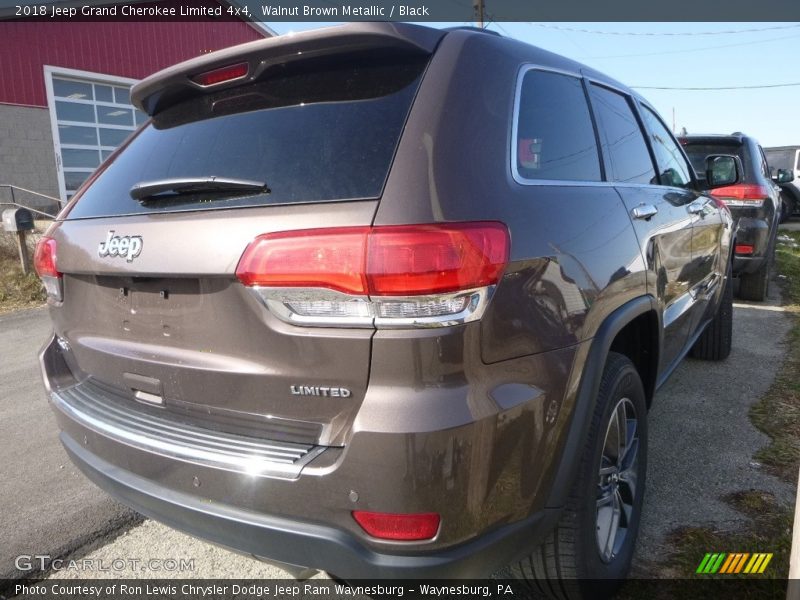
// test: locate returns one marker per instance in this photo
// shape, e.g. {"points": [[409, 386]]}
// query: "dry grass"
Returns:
{"points": [[769, 526], [769, 529], [778, 413], [17, 290]]}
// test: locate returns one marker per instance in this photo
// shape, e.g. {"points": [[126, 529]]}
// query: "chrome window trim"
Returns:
{"points": [[515, 174]]}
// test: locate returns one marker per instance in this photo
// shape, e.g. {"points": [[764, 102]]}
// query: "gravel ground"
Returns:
{"points": [[701, 439], [153, 541], [47, 506]]}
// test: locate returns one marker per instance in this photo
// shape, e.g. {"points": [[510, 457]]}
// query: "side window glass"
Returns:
{"points": [[555, 137], [624, 148], [672, 166], [764, 163]]}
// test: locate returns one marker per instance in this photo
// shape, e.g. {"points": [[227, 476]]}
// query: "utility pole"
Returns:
{"points": [[673, 119], [477, 5]]}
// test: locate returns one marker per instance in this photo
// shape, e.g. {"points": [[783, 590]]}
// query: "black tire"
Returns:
{"points": [[569, 565], [715, 342]]}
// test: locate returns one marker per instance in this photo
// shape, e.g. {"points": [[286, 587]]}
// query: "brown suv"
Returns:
{"points": [[387, 301]]}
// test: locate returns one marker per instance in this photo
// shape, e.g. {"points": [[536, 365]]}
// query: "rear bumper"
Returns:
{"points": [[300, 513], [300, 543], [753, 232]]}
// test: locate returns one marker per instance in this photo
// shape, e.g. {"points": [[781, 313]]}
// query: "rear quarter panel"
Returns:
{"points": [[574, 254]]}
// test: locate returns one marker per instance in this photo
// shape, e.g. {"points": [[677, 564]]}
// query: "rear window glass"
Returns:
{"points": [[697, 153], [318, 133], [781, 159], [555, 136]]}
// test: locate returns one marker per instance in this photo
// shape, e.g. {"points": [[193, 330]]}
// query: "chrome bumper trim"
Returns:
{"points": [[85, 404]]}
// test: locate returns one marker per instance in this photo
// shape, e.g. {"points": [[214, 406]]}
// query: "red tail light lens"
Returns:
{"points": [[433, 259], [381, 261], [44, 259], [322, 258], [404, 527], [744, 249], [742, 194], [221, 75], [392, 276]]}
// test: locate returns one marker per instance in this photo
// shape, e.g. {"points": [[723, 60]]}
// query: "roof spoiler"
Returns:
{"points": [[175, 84]]}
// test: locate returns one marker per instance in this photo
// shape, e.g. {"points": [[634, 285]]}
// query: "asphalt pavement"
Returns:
{"points": [[701, 448], [48, 507]]}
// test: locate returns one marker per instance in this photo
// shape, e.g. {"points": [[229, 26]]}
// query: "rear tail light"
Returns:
{"points": [[44, 261], [410, 275], [399, 527], [720, 204], [744, 248], [742, 194], [316, 258]]}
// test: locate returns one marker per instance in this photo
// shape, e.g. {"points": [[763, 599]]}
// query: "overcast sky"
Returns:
{"points": [[681, 55]]}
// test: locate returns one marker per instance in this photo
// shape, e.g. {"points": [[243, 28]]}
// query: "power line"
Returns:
{"points": [[493, 21], [661, 33], [715, 89], [689, 50], [501, 28]]}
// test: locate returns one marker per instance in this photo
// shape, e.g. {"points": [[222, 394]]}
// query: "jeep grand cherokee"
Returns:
{"points": [[386, 301], [754, 203]]}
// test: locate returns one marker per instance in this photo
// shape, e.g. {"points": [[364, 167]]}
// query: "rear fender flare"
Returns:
{"points": [[586, 398]]}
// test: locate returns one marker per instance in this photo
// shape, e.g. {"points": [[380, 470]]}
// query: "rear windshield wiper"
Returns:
{"points": [[168, 188]]}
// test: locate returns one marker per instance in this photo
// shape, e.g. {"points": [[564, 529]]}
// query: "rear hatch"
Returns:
{"points": [[744, 199], [285, 134]]}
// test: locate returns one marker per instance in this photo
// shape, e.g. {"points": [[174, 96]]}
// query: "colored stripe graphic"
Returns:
{"points": [[731, 563], [728, 562], [765, 563], [711, 563], [736, 562], [703, 563], [741, 562], [755, 564], [718, 563]]}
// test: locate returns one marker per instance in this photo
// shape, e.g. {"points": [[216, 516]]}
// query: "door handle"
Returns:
{"points": [[644, 211], [698, 206]]}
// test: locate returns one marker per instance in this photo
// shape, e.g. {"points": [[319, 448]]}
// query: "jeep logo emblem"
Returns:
{"points": [[127, 247]]}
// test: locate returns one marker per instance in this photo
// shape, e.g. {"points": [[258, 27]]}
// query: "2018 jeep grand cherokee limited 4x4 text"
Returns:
{"points": [[386, 301]]}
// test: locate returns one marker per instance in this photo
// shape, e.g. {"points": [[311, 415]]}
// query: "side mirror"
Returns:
{"points": [[784, 176], [722, 170]]}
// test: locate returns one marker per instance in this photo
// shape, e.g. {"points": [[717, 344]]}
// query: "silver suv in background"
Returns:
{"points": [[786, 158]]}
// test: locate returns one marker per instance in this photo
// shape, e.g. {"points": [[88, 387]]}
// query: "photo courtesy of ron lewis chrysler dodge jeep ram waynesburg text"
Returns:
{"points": [[305, 313]]}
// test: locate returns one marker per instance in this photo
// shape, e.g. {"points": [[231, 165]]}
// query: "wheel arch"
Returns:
{"points": [[620, 330]]}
